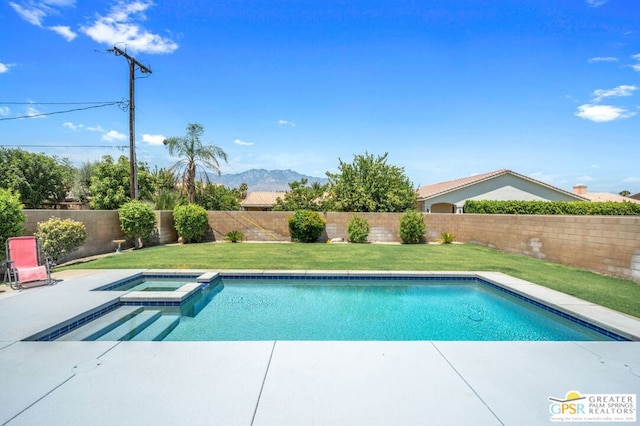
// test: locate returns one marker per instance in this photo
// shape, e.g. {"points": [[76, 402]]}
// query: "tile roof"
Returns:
{"points": [[452, 185], [605, 196], [442, 187], [261, 199]]}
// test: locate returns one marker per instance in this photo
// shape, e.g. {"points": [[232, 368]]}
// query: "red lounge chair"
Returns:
{"points": [[25, 267]]}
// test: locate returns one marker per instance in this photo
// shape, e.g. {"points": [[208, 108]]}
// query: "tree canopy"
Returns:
{"points": [[303, 197], [36, 177], [218, 197], [369, 184], [193, 154], [110, 182]]}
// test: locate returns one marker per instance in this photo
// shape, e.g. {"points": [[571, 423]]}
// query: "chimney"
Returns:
{"points": [[580, 189]]}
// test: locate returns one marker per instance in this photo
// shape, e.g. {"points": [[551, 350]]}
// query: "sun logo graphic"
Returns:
{"points": [[576, 407], [569, 405]]}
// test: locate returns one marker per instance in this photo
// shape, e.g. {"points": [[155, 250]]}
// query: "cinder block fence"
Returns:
{"points": [[605, 244]]}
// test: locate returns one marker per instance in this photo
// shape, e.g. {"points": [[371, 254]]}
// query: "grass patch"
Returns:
{"points": [[619, 294]]}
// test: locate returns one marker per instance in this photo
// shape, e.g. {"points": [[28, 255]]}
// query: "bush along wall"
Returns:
{"points": [[588, 208]]}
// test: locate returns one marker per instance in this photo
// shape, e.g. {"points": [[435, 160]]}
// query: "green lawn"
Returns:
{"points": [[619, 294]]}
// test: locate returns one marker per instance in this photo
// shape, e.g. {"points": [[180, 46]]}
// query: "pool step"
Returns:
{"points": [[103, 324], [159, 329], [132, 326]]}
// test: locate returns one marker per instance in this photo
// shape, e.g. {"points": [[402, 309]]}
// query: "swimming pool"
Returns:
{"points": [[334, 307]]}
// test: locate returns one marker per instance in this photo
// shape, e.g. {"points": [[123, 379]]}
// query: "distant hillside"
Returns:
{"points": [[263, 180]]}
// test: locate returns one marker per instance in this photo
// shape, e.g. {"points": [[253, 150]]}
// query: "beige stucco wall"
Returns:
{"points": [[606, 244]]}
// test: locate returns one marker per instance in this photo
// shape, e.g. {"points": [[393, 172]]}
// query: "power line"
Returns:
{"points": [[56, 103], [120, 147], [121, 104]]}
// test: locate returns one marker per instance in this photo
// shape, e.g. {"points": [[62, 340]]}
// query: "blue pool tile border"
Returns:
{"points": [[75, 324], [141, 277], [591, 326], [231, 277], [558, 312]]}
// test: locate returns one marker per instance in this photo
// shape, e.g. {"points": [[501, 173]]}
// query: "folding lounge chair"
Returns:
{"points": [[25, 268]]}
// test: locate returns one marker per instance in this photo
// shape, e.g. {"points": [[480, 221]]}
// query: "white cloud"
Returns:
{"points": [[72, 126], [4, 111], [96, 129], [636, 67], [34, 113], [602, 113], [596, 3], [32, 13], [113, 136], [119, 27], [602, 59], [64, 32], [623, 90], [243, 143], [153, 139], [631, 179], [5, 67], [286, 123]]}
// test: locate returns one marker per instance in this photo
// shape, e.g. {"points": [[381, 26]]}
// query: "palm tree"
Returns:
{"points": [[193, 154]]}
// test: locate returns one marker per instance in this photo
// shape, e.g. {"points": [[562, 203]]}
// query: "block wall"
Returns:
{"points": [[605, 244]]}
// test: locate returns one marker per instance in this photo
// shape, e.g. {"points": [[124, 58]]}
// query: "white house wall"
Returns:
{"points": [[501, 188]]}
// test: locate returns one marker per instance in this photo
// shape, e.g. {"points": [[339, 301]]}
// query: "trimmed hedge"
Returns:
{"points": [[59, 237], [412, 227], [587, 208], [306, 226], [192, 222], [358, 229], [138, 221]]}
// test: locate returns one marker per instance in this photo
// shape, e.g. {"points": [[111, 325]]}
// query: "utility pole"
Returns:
{"points": [[133, 63]]}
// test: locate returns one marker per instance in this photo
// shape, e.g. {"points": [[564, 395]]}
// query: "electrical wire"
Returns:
{"points": [[56, 103], [120, 147], [122, 104]]}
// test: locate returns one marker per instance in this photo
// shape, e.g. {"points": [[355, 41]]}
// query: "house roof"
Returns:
{"points": [[261, 199], [436, 189], [605, 196]]}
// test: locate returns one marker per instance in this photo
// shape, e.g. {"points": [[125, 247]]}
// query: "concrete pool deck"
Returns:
{"points": [[284, 382]]}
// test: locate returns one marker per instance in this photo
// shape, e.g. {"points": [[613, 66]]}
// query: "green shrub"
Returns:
{"points": [[192, 222], [58, 237], [11, 217], [306, 226], [138, 221], [234, 236], [358, 229], [607, 208], [412, 227], [447, 238]]}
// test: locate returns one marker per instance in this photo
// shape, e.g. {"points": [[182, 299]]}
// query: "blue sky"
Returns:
{"points": [[449, 88]]}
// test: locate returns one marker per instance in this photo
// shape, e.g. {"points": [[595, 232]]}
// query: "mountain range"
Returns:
{"points": [[262, 180]]}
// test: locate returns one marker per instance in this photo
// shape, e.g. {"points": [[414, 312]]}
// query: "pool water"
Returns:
{"points": [[451, 310], [148, 284]]}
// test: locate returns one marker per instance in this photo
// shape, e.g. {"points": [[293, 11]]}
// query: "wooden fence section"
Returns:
{"points": [[605, 244]]}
